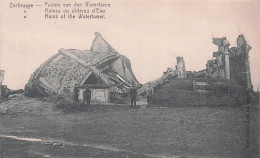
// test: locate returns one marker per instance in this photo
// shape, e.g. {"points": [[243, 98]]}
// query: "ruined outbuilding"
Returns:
{"points": [[101, 65], [2, 72], [5, 92]]}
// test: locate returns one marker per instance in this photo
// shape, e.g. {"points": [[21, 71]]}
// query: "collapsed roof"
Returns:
{"points": [[100, 65]]}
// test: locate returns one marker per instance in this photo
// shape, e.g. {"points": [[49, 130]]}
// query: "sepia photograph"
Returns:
{"points": [[129, 79]]}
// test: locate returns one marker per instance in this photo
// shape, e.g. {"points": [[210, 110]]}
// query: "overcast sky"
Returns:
{"points": [[150, 33]]}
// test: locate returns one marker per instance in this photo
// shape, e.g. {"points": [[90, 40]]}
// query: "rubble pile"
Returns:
{"points": [[180, 93], [101, 65], [225, 81]]}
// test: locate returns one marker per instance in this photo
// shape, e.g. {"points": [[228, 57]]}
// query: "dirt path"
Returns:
{"points": [[63, 143]]}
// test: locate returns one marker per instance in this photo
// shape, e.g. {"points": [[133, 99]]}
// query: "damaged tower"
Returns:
{"points": [[180, 68], [239, 62], [222, 57], [231, 63]]}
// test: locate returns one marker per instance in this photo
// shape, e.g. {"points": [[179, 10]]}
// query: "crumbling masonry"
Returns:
{"points": [[231, 63], [101, 65]]}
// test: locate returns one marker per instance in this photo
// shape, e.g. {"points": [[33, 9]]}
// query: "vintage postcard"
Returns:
{"points": [[132, 78]]}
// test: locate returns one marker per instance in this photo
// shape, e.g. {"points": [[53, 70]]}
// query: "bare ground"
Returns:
{"points": [[121, 131]]}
